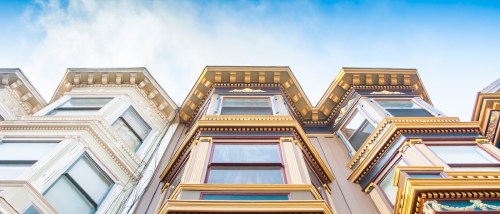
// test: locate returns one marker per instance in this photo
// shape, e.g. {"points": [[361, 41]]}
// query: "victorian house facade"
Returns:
{"points": [[245, 140]]}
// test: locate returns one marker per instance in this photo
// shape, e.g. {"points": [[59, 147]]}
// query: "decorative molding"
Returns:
{"points": [[246, 187], [247, 90], [433, 205], [386, 92], [289, 207], [308, 150], [380, 140], [89, 127]]}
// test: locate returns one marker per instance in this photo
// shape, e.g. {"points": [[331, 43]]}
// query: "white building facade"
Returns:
{"points": [[89, 150]]}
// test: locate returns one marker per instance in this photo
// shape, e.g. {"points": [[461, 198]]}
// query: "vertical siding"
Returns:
{"points": [[347, 197]]}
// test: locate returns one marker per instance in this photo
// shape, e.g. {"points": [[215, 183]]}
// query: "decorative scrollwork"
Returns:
{"points": [[433, 205], [246, 90]]}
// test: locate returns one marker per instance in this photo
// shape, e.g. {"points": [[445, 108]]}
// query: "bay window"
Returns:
{"points": [[18, 156], [81, 188], [245, 164]]}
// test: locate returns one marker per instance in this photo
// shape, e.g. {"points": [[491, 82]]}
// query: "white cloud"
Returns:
{"points": [[175, 40]]}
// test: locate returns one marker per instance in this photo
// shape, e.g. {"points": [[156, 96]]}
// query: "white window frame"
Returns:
{"points": [[100, 167], [127, 103], [216, 104], [35, 163], [415, 100], [54, 106]]}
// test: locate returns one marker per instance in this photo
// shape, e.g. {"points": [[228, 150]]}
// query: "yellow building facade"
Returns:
{"points": [[373, 144]]}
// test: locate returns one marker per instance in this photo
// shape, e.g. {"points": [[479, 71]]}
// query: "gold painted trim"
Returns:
{"points": [[401, 169], [246, 187], [390, 129], [197, 206], [411, 196]]}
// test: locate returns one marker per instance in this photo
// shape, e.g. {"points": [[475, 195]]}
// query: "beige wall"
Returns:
{"points": [[347, 197]]}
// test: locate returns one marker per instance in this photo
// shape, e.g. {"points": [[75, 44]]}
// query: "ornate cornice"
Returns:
{"points": [[379, 81], [21, 88], [246, 77], [119, 77], [487, 113]]}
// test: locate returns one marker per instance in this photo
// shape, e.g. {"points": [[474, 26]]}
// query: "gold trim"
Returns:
{"points": [[400, 169], [246, 187], [415, 192], [293, 206], [389, 130]]}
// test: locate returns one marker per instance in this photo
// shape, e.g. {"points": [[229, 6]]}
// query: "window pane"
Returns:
{"points": [[353, 125], [63, 112], [66, 198], [31, 210], [243, 197], [246, 102], [245, 175], [25, 150], [136, 123], [90, 179], [246, 106], [358, 138], [246, 111], [86, 102], [246, 153], [404, 108], [387, 183], [12, 171], [409, 113], [124, 131], [462, 154], [398, 104]]}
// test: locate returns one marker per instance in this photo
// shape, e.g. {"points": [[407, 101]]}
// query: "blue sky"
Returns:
{"points": [[455, 45]]}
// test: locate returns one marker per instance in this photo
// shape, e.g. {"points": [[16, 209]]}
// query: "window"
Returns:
{"points": [[17, 157], [387, 186], [83, 187], [404, 108], [236, 196], [246, 106], [464, 156], [357, 130], [80, 106], [245, 164], [132, 128]]}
